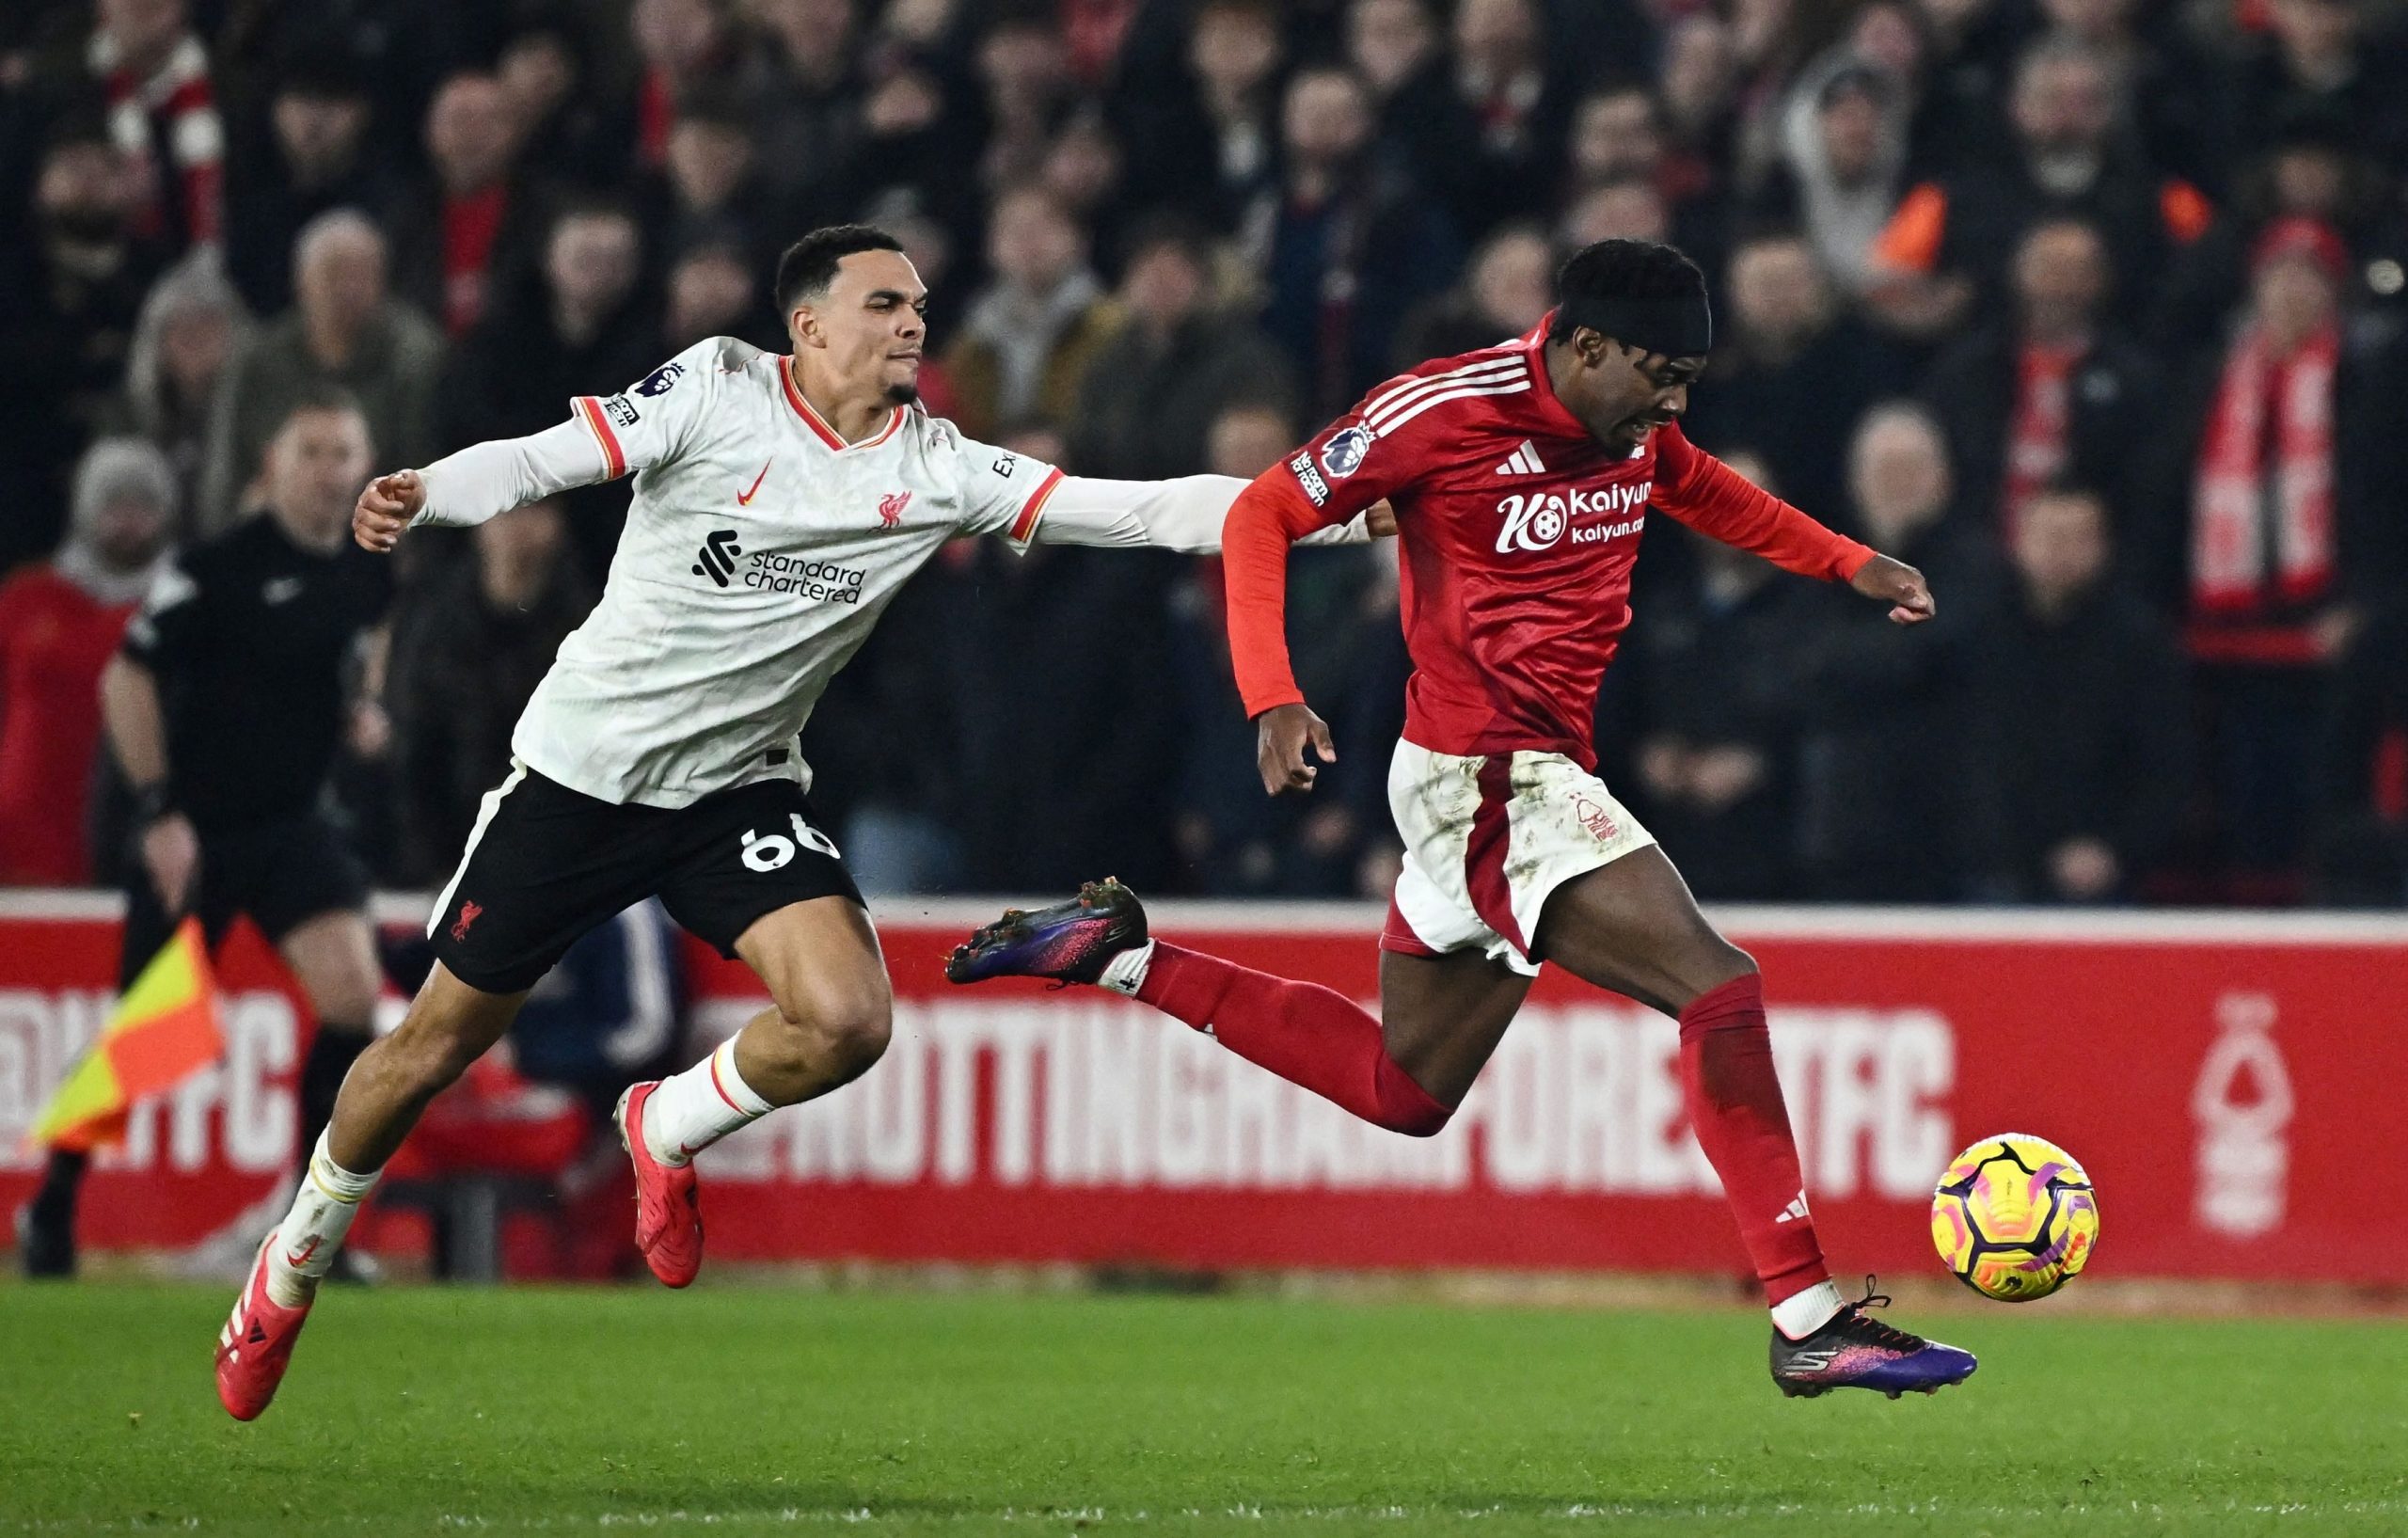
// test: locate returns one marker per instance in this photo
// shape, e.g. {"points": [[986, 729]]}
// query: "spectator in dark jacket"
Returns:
{"points": [[1070, 769], [1212, 128], [311, 155], [1714, 761], [466, 232], [2311, 169], [2083, 742], [579, 329], [2361, 827], [469, 648], [2055, 394], [1346, 244], [1947, 246], [2317, 55], [1152, 392], [1512, 94], [711, 187], [1886, 812], [70, 293], [1796, 373], [572, 125], [1508, 287], [1342, 612]]}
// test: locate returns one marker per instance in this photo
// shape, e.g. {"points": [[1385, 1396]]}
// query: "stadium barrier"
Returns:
{"points": [[2232, 1080]]}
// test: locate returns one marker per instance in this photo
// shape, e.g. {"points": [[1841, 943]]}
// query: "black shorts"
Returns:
{"points": [[545, 863], [282, 874]]}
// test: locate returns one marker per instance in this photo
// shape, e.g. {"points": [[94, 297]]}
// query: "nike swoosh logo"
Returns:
{"points": [[302, 1256], [744, 499]]}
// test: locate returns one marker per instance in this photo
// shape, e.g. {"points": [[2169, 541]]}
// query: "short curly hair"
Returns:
{"points": [[1623, 269]]}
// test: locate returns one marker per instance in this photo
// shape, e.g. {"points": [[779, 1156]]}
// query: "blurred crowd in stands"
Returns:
{"points": [[2091, 309]]}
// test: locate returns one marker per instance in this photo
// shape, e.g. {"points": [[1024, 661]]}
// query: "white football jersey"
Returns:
{"points": [[758, 552]]}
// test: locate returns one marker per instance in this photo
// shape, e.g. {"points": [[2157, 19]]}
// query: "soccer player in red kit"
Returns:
{"points": [[1521, 475]]}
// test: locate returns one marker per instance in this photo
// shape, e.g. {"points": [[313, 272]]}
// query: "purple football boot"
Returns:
{"points": [[1071, 942], [1854, 1350]]}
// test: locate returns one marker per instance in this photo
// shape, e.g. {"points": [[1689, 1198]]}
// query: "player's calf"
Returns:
{"points": [[1307, 1033]]}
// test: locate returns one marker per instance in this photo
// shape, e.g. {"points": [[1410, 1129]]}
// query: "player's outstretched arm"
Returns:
{"points": [[1713, 498], [1187, 513], [464, 489]]}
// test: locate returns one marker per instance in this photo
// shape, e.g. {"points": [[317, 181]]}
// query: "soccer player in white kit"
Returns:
{"points": [[780, 503]]}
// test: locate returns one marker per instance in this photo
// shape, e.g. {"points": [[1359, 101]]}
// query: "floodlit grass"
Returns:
{"points": [[749, 1409]]}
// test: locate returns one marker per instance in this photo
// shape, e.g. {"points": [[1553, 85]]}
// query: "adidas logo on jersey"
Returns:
{"points": [[716, 560], [1523, 461], [1795, 1211]]}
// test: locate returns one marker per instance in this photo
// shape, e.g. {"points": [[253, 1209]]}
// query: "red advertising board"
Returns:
{"points": [[2230, 1082]]}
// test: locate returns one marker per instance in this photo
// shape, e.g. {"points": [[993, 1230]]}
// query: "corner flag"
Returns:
{"points": [[165, 1029]]}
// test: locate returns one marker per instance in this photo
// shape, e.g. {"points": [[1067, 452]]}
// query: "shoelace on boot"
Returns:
{"points": [[1882, 1334]]}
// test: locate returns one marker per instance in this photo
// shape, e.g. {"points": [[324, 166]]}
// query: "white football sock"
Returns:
{"points": [[1801, 1314], [693, 1110], [310, 1233], [1126, 972]]}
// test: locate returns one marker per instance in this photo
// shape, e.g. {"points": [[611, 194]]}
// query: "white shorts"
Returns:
{"points": [[1487, 840]]}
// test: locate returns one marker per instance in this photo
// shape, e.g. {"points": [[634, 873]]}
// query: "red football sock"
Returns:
{"points": [[1735, 1109], [1307, 1033]]}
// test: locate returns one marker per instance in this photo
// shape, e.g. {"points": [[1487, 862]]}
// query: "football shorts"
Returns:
{"points": [[545, 864], [1487, 839]]}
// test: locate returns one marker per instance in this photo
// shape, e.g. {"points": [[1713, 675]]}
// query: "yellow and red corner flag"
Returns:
{"points": [[165, 1029]]}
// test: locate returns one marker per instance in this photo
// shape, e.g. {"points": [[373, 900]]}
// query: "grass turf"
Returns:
{"points": [[757, 1409]]}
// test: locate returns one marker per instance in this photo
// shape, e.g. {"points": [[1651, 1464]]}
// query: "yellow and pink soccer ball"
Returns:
{"points": [[2015, 1217]]}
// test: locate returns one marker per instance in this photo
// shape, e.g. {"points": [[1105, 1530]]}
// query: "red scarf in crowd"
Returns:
{"points": [[2036, 434], [171, 108], [2273, 417]]}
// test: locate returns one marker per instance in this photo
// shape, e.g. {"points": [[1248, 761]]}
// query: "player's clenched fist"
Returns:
{"points": [[386, 508], [1282, 733]]}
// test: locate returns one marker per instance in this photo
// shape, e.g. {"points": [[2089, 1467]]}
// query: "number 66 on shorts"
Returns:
{"points": [[545, 864]]}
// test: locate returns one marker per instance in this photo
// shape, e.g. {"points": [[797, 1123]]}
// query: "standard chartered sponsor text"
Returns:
{"points": [[820, 580]]}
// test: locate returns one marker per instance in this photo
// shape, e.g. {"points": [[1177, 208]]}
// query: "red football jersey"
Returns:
{"points": [[1518, 530]]}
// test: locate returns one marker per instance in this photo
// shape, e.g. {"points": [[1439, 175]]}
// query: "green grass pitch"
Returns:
{"points": [[757, 1409]]}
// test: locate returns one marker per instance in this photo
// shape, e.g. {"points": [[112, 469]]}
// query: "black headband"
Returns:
{"points": [[1673, 327]]}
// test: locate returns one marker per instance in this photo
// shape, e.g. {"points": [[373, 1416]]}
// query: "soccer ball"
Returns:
{"points": [[2015, 1217]]}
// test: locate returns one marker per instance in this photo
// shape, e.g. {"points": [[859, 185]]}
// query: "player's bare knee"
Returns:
{"points": [[838, 1025], [1715, 963], [854, 1027], [857, 1039]]}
